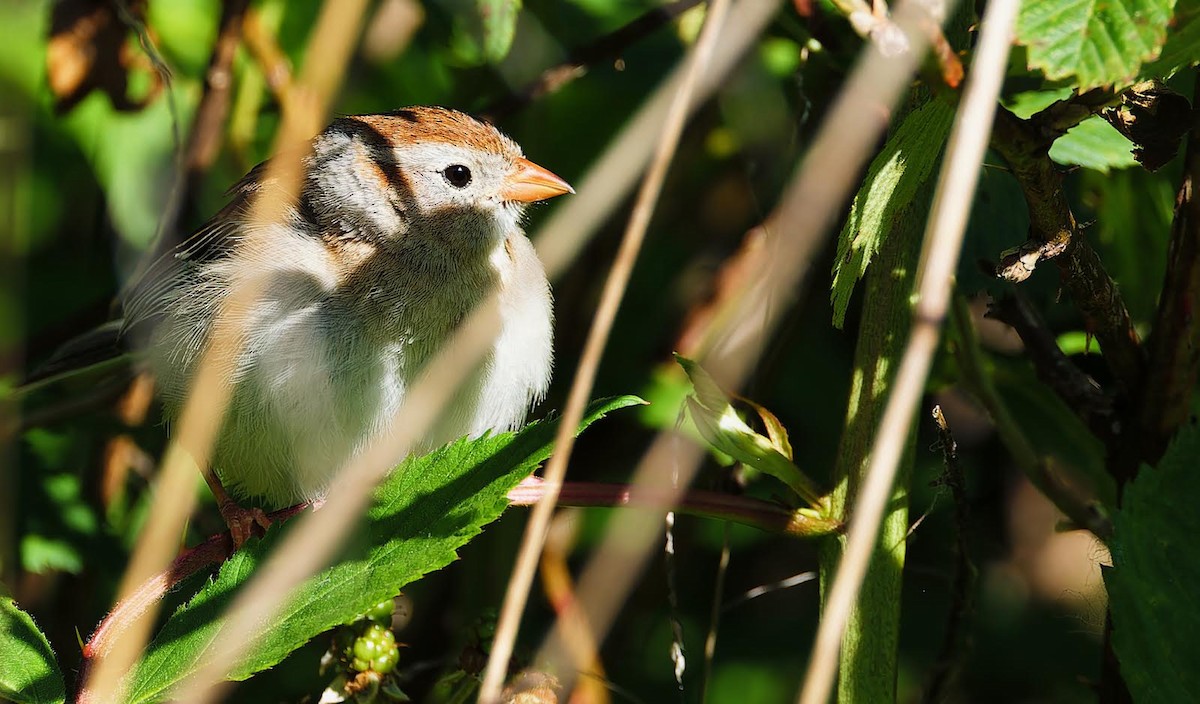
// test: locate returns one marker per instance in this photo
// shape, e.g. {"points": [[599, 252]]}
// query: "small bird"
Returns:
{"points": [[404, 222]]}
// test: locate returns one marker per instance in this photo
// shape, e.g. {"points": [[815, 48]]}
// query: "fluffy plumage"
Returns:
{"points": [[382, 256]]}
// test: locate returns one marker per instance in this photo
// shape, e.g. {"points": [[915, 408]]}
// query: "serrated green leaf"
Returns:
{"points": [[423, 512], [906, 162], [29, 673], [1093, 42], [1183, 42], [499, 26], [1094, 144], [1156, 569]]}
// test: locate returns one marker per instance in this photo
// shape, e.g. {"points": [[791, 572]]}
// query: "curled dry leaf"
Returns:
{"points": [[1153, 117]]}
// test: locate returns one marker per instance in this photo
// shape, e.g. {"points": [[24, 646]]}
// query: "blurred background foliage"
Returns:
{"points": [[88, 179]]}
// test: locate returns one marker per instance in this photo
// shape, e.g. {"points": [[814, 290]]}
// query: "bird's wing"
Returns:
{"points": [[142, 299]]}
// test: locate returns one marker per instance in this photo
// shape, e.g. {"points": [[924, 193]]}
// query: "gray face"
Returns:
{"points": [[361, 186]]}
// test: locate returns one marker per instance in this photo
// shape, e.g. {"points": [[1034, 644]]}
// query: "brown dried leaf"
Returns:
{"points": [[1155, 118]]}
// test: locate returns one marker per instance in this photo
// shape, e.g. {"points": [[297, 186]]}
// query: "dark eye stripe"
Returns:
{"points": [[458, 175]]}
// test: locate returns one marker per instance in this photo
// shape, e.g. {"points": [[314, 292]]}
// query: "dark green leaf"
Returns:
{"points": [[422, 513], [1093, 42], [901, 168], [29, 673], [1156, 570]]}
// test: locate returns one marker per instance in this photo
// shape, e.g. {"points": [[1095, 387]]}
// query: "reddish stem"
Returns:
{"points": [[214, 550], [740, 509]]}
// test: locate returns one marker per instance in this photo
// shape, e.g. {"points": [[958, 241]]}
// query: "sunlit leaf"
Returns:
{"points": [[29, 673], [716, 419], [1094, 144], [892, 182], [423, 512], [1093, 42]]}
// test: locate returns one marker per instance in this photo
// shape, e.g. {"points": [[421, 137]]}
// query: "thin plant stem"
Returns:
{"points": [[585, 375], [714, 614], [795, 230], [940, 253]]}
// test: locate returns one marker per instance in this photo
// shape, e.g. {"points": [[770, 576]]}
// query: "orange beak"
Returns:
{"points": [[530, 183]]}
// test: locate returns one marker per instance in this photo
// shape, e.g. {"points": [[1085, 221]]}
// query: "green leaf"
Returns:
{"points": [[906, 162], [1093, 42], [422, 513], [499, 25], [1183, 43], [1094, 144], [1156, 570], [29, 673], [1025, 104], [716, 419]]}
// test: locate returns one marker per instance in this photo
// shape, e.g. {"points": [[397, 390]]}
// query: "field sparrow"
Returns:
{"points": [[404, 221]]}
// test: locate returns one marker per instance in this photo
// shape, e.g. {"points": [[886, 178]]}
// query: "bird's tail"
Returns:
{"points": [[101, 349]]}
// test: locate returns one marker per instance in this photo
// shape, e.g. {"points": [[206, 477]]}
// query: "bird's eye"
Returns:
{"points": [[458, 175]]}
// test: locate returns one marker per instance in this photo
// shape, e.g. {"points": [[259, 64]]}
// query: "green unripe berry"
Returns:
{"points": [[381, 612], [375, 650]]}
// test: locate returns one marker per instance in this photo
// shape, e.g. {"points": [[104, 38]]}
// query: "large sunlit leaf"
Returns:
{"points": [[1156, 569], [29, 673], [1093, 42], [423, 512]]}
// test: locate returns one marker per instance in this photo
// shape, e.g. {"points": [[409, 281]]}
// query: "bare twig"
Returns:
{"points": [[585, 375], [266, 52], [943, 242], [606, 48], [1055, 235], [1043, 472], [1055, 120], [1074, 386], [671, 572], [714, 614], [610, 180], [964, 571], [559, 587], [207, 130]]}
